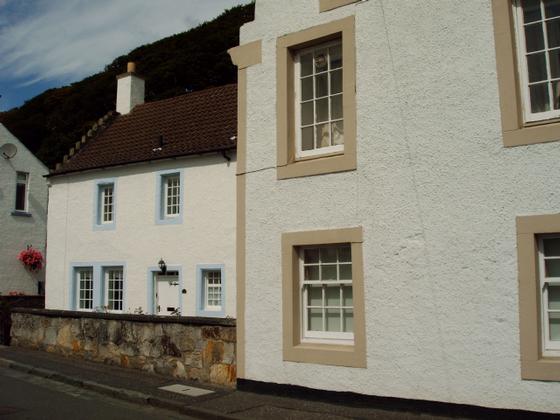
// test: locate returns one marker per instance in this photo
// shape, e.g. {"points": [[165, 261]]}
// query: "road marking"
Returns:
{"points": [[191, 391]]}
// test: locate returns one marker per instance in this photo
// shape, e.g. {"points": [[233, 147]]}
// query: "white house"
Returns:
{"points": [[154, 185], [398, 203], [23, 214]]}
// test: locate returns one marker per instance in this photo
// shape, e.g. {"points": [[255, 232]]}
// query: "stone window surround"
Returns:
{"points": [[287, 165], [326, 5], [515, 131], [200, 291], [329, 354], [533, 364]]}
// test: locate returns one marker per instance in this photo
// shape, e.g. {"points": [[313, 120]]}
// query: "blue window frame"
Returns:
{"points": [[89, 288], [105, 204], [169, 197], [210, 290]]}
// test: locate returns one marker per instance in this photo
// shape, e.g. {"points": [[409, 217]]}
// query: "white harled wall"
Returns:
{"points": [[436, 193], [206, 236], [19, 231]]}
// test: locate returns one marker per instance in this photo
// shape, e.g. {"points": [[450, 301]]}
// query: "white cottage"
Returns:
{"points": [[142, 215], [23, 214], [398, 204]]}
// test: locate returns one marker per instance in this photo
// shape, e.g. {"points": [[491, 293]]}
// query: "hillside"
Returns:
{"points": [[50, 123]]}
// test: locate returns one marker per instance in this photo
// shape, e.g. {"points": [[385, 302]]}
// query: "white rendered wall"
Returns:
{"points": [[436, 193], [16, 232], [206, 236]]}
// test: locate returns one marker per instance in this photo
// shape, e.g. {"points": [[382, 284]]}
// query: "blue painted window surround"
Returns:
{"points": [[98, 269], [160, 200], [201, 288], [98, 198]]}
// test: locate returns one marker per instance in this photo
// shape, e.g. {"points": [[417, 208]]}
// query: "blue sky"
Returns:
{"points": [[51, 43]]}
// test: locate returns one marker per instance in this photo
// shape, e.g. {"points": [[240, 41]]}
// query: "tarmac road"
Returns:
{"points": [[24, 396]]}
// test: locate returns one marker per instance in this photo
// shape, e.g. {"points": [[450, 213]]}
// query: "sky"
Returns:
{"points": [[51, 43]]}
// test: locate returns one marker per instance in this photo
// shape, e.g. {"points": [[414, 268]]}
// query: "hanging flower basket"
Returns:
{"points": [[31, 259]]}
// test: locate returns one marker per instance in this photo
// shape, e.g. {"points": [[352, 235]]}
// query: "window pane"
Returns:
{"points": [[307, 88], [551, 247], [321, 85], [537, 67], [534, 39], [552, 8], [311, 256], [556, 94], [554, 297], [322, 109], [348, 320], [311, 272], [307, 138], [553, 33], [328, 255], [554, 323], [531, 10], [338, 132], [20, 197], [344, 254], [307, 113], [554, 60], [336, 107], [315, 320], [333, 320], [315, 295], [539, 98], [321, 60], [328, 272], [346, 272], [336, 81], [21, 177], [336, 56], [332, 295], [306, 64], [323, 138], [347, 298], [552, 268]]}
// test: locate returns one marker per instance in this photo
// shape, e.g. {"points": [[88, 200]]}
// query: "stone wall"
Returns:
{"points": [[188, 348]]}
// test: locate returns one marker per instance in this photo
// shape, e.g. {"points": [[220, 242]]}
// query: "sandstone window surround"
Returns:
{"points": [[539, 361], [289, 48], [325, 347], [523, 68], [326, 5]]}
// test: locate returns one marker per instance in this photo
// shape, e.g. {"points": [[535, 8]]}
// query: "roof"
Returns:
{"points": [[194, 123]]}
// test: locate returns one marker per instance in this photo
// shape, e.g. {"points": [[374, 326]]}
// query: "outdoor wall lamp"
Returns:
{"points": [[162, 266]]}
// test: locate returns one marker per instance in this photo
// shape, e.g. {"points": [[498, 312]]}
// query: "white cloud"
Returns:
{"points": [[69, 39]]}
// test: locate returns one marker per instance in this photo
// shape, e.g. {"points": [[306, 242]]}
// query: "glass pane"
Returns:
{"points": [[311, 272], [551, 247], [336, 56], [554, 297], [20, 196], [345, 271], [552, 8], [539, 98], [347, 297], [328, 255], [322, 109], [348, 321], [311, 256], [344, 254], [534, 39], [323, 139], [552, 268], [531, 10], [321, 85], [537, 67], [307, 138], [328, 272], [336, 81], [336, 107], [307, 88], [338, 132], [332, 295], [553, 31], [315, 319], [315, 295], [21, 177], [554, 61], [321, 60], [307, 113], [306, 61], [554, 323], [556, 94], [333, 320]]}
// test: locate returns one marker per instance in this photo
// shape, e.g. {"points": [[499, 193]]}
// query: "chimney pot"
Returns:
{"points": [[131, 67], [130, 90]]}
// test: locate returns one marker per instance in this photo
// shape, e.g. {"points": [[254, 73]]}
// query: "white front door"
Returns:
{"points": [[167, 293]]}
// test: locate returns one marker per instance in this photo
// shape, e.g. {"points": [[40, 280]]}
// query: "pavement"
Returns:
{"points": [[143, 388]]}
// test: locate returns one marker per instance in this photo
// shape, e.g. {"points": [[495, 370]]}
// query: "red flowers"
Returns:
{"points": [[31, 259]]}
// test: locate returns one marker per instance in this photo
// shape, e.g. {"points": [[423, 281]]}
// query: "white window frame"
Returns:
{"points": [[528, 115], [328, 337], [165, 179], [106, 203], [26, 193], [107, 271], [207, 286], [550, 348], [78, 276], [297, 106]]}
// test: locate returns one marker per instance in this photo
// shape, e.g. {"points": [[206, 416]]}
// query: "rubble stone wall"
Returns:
{"points": [[188, 348]]}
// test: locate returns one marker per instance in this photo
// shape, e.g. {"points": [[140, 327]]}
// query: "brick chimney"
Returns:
{"points": [[130, 90]]}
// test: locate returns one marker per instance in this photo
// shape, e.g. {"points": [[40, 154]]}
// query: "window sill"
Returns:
{"points": [[545, 369], [318, 165], [20, 213], [170, 220], [533, 133], [326, 5], [326, 354], [102, 227]]}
